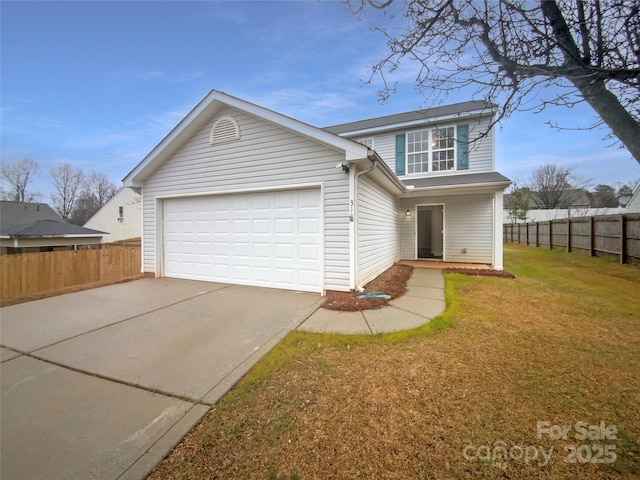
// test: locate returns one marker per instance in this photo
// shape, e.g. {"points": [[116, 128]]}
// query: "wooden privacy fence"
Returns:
{"points": [[612, 236], [34, 275]]}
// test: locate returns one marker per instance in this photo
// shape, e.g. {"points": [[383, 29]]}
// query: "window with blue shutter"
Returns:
{"points": [[400, 154], [463, 146]]}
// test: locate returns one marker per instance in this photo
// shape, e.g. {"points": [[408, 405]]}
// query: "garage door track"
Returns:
{"points": [[103, 383]]}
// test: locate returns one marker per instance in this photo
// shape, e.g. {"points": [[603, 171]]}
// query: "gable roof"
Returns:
{"points": [[51, 228], [13, 214], [116, 198], [37, 219], [206, 109], [417, 117]]}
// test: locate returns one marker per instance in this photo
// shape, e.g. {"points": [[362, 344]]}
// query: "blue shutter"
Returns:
{"points": [[463, 146], [400, 153]]}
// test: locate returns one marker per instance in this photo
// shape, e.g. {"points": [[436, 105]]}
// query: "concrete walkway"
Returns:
{"points": [[423, 301]]}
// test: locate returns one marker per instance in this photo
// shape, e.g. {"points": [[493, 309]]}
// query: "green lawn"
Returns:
{"points": [[559, 344]]}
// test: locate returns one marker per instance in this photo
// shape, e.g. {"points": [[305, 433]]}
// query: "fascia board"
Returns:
{"points": [[353, 150], [457, 189], [166, 142], [418, 123]]}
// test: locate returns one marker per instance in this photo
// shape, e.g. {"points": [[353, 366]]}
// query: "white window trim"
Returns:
{"points": [[430, 151]]}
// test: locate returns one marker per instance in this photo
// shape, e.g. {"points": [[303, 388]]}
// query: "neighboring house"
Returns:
{"points": [[633, 206], [578, 198], [241, 194], [121, 216], [544, 215], [35, 227]]}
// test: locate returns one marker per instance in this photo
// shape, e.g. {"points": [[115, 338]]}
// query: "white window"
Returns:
{"points": [[443, 149], [431, 150], [366, 141], [418, 151]]}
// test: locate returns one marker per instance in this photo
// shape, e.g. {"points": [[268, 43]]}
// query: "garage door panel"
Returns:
{"points": [[285, 201], [261, 226], [269, 239], [308, 200], [308, 226], [240, 226], [308, 252], [284, 226], [262, 251]]}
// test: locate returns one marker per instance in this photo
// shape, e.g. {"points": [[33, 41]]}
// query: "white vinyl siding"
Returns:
{"points": [[378, 231], [468, 224], [266, 156], [107, 218], [481, 157]]}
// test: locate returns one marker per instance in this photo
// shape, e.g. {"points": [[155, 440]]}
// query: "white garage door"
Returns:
{"points": [[270, 239]]}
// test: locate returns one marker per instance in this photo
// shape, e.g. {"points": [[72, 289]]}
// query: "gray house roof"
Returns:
{"points": [[37, 219], [467, 179], [464, 109], [13, 214]]}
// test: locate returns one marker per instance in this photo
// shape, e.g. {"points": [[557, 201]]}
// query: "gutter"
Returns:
{"points": [[373, 157]]}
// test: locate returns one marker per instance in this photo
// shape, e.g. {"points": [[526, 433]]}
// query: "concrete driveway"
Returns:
{"points": [[103, 383]]}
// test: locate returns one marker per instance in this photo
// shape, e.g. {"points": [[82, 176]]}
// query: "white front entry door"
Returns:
{"points": [[268, 239]]}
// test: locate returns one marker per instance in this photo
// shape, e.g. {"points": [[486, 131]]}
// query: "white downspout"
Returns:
{"points": [[373, 166]]}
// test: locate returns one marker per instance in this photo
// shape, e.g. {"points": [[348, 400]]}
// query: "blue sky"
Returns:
{"points": [[99, 84]]}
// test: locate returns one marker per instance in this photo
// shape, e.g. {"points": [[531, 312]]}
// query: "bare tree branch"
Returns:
{"points": [[67, 183], [18, 177], [513, 50]]}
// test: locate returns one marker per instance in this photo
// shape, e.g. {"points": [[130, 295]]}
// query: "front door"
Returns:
{"points": [[430, 232]]}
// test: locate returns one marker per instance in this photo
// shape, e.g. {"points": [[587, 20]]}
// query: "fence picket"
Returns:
{"points": [[28, 275], [613, 236]]}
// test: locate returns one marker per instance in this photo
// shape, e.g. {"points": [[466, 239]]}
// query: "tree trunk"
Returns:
{"points": [[607, 105], [592, 87]]}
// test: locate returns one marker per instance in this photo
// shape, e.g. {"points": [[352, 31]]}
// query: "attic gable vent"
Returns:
{"points": [[224, 130]]}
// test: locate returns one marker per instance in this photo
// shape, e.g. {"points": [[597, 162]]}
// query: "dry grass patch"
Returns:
{"points": [[560, 343]]}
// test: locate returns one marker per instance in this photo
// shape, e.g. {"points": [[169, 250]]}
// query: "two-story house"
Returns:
{"points": [[237, 193]]}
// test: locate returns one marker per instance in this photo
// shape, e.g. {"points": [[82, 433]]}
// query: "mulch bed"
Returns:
{"points": [[392, 281]]}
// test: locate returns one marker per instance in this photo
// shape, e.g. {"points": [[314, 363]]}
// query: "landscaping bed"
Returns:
{"points": [[392, 282]]}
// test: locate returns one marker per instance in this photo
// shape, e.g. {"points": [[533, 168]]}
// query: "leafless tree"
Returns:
{"points": [[85, 207], [101, 188], [511, 51], [96, 191], [552, 186], [67, 185], [17, 177]]}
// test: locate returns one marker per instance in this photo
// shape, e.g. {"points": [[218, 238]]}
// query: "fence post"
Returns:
{"points": [[537, 234], [526, 232], [592, 231], [519, 233], [550, 234], [623, 238], [568, 235]]}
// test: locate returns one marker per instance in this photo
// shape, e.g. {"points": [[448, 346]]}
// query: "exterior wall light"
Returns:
{"points": [[344, 166], [408, 212]]}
